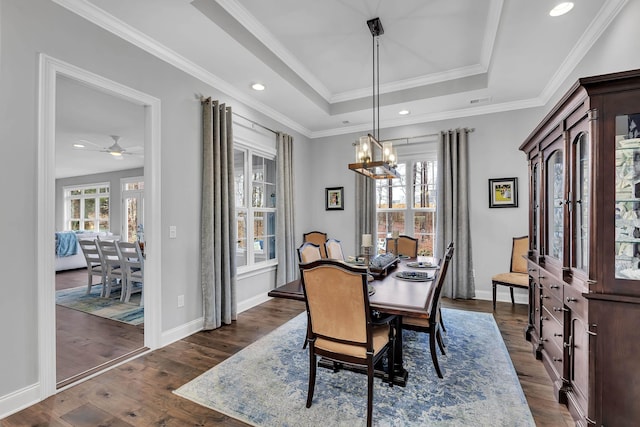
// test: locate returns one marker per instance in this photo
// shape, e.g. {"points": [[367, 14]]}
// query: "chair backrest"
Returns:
{"points": [[434, 309], [130, 256], [108, 254], [519, 250], [333, 249], [407, 246], [90, 251], [337, 302], [309, 252], [318, 238]]}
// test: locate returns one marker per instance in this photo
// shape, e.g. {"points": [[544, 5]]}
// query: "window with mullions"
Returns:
{"points": [[87, 207], [407, 205], [255, 186]]}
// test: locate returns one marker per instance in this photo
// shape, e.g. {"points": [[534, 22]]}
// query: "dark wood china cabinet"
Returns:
{"points": [[584, 257]]}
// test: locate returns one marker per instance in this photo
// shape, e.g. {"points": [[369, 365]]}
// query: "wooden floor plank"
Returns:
{"points": [[139, 393]]}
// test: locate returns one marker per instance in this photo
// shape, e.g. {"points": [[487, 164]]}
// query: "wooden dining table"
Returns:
{"points": [[392, 295]]}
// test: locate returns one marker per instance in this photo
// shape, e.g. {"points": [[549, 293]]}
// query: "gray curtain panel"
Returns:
{"points": [[365, 210], [453, 212], [218, 228], [285, 240]]}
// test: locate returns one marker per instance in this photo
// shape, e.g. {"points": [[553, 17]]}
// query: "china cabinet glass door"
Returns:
{"points": [[535, 205], [627, 214], [555, 204], [581, 212]]}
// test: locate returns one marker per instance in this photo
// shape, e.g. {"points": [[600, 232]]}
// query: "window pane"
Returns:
{"points": [[89, 225], [424, 231], [257, 165], [238, 173], [104, 226], [388, 222], [75, 192], [271, 193], [74, 225], [89, 208], [259, 229], [75, 208], [257, 196], [241, 248], [90, 191], [270, 171]]}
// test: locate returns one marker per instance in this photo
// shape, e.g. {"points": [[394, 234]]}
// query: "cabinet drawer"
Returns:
{"points": [[575, 302], [554, 308], [552, 329], [552, 355], [533, 269], [552, 285]]}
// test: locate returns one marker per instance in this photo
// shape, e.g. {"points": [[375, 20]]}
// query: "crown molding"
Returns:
{"points": [[603, 19], [493, 22], [104, 20]]}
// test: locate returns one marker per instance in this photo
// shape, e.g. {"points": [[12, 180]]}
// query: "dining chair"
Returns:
{"points": [[433, 323], [318, 238], [308, 252], [339, 324], [111, 265], [333, 249], [518, 276], [94, 264], [132, 263], [407, 246]]}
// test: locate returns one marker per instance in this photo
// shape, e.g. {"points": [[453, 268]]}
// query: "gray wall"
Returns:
{"points": [[28, 27], [115, 198]]}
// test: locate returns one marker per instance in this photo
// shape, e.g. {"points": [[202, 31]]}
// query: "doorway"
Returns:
{"points": [[51, 70]]}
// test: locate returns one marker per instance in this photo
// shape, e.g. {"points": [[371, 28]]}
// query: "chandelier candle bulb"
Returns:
{"points": [[387, 151]]}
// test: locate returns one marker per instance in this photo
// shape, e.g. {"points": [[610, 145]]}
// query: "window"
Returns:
{"points": [[87, 207], [132, 190], [255, 207], [408, 204]]}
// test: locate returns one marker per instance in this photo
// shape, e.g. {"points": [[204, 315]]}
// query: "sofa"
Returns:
{"points": [[66, 260]]}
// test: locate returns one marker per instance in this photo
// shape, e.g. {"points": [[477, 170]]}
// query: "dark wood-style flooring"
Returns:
{"points": [[86, 343], [139, 392]]}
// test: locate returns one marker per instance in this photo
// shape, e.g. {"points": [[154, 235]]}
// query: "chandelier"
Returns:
{"points": [[375, 159]]}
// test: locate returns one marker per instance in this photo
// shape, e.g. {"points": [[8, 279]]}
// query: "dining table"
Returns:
{"points": [[403, 289]]}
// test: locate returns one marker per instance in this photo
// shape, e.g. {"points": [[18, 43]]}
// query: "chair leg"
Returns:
{"points": [[440, 343], [434, 356], [494, 297], [90, 281], [125, 285], [370, 390], [511, 290], [312, 376], [442, 322]]}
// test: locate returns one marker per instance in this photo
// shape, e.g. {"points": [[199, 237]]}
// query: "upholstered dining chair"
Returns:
{"points": [[308, 252], [94, 264], [339, 324], [333, 249], [433, 323], [517, 277], [132, 264], [407, 246], [110, 264], [318, 238]]}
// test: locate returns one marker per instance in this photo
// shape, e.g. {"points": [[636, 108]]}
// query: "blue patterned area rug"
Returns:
{"points": [[109, 308], [265, 384]]}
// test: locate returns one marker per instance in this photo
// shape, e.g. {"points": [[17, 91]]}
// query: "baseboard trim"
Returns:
{"points": [[19, 400], [182, 331], [519, 297], [252, 302]]}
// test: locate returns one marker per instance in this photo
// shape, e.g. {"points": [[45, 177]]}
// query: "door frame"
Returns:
{"points": [[49, 69]]}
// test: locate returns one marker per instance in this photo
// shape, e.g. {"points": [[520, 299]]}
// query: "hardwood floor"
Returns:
{"points": [[86, 343], [139, 393]]}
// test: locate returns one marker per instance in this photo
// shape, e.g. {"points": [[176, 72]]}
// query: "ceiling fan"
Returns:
{"points": [[115, 149]]}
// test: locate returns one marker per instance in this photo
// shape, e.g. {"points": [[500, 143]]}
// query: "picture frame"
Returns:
{"points": [[334, 198], [503, 192]]}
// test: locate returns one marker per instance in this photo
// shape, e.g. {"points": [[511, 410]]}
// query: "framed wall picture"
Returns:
{"points": [[503, 193], [334, 198]]}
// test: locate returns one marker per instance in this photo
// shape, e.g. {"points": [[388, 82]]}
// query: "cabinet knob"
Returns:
{"points": [[557, 334], [557, 359], [571, 299], [555, 286]]}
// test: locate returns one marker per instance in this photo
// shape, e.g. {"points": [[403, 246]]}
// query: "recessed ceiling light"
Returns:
{"points": [[345, 122], [257, 86], [561, 8], [404, 112], [78, 145]]}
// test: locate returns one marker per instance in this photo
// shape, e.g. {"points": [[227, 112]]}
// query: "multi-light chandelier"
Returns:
{"points": [[368, 147]]}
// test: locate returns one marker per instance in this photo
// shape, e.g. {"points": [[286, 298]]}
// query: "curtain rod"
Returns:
{"points": [[428, 135], [202, 99]]}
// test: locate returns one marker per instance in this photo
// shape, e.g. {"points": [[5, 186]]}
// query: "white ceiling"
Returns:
{"points": [[438, 58]]}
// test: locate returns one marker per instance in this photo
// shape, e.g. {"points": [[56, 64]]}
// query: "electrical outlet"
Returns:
{"points": [[180, 301], [172, 231]]}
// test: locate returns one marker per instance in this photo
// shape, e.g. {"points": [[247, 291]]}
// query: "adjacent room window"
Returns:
{"points": [[87, 207], [255, 186], [408, 204]]}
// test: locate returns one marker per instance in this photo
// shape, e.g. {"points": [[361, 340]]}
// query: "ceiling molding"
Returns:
{"points": [[607, 14], [126, 32], [493, 22], [253, 25], [433, 117]]}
